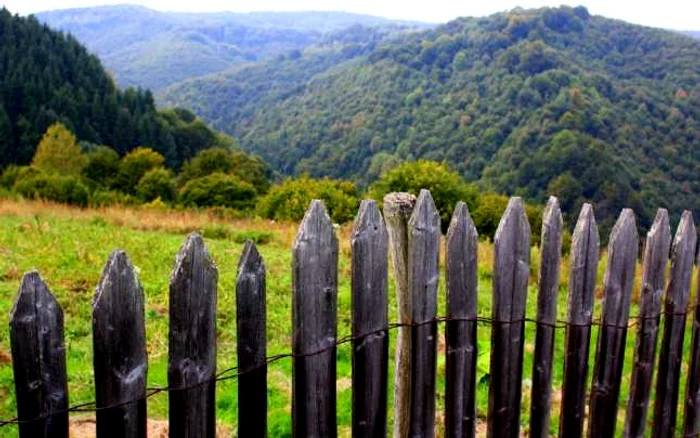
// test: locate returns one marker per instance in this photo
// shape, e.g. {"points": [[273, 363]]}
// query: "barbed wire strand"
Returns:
{"points": [[234, 372]]}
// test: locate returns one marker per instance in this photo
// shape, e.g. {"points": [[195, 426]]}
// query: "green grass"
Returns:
{"points": [[69, 250]]}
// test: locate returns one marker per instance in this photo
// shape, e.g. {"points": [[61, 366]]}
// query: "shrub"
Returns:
{"points": [[289, 200], [446, 187], [105, 198], [58, 152], [258, 237], [248, 168], [218, 189], [135, 165], [14, 173], [67, 189], [156, 183], [102, 166], [491, 207]]}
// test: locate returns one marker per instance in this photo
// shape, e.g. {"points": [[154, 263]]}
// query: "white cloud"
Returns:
{"points": [[672, 14]]}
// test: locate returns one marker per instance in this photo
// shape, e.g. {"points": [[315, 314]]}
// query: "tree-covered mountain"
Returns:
{"points": [[530, 102], [48, 77], [153, 49], [693, 33]]}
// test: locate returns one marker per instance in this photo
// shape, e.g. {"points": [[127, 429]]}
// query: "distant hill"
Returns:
{"points": [[693, 33], [152, 49], [48, 77], [530, 102]]}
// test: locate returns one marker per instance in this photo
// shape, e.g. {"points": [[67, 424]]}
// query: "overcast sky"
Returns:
{"points": [[671, 14]]}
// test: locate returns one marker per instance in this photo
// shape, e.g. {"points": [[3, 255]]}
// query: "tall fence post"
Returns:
{"points": [[583, 268], [691, 410], [119, 341], [315, 296], [423, 272], [370, 346], [39, 361], [677, 294], [397, 211], [460, 333], [617, 289], [548, 293], [251, 345], [192, 345], [511, 271], [653, 278]]}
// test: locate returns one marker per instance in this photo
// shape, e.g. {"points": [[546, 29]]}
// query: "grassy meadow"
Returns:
{"points": [[69, 247]]}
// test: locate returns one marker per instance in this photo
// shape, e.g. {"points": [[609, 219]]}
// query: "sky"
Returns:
{"points": [[670, 14]]}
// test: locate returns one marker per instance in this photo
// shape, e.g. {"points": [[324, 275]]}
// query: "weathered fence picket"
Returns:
{"points": [[370, 347], [656, 252], [583, 269], [119, 343], [548, 294], [671, 355], [610, 355], [39, 359], [251, 345], [314, 309], [511, 270], [410, 230], [460, 331], [192, 345], [398, 208]]}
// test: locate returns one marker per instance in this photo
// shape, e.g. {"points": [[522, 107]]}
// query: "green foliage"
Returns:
{"points": [[512, 102], [446, 186], [68, 189], [58, 152], [258, 237], [135, 165], [491, 207], [13, 173], [157, 183], [218, 189], [102, 166], [289, 200], [248, 168], [106, 198]]}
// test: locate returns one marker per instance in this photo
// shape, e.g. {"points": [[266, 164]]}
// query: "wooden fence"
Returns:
{"points": [[412, 236]]}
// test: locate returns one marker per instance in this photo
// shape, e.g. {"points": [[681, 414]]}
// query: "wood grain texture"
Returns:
{"points": [[39, 361], [610, 355], [251, 346], [547, 297], [119, 341], [192, 342], [314, 307], [510, 279], [370, 347], [656, 251], [583, 268], [460, 336], [398, 208], [423, 273]]}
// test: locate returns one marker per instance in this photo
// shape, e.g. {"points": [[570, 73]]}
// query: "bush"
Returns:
{"points": [[248, 168], [446, 187], [218, 189], [289, 200], [67, 189], [102, 166], [135, 165], [156, 183], [14, 173], [105, 198], [491, 207]]}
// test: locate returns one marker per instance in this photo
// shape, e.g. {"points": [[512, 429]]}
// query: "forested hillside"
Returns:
{"points": [[154, 49], [531, 102], [48, 77]]}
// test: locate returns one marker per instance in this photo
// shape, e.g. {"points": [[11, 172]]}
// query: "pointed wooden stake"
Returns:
{"points": [[460, 336], [510, 278], [397, 210], [617, 289], [550, 250], [370, 351], [315, 297], [120, 361], [583, 268], [653, 279], [192, 349], [251, 345], [423, 272], [39, 361]]}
